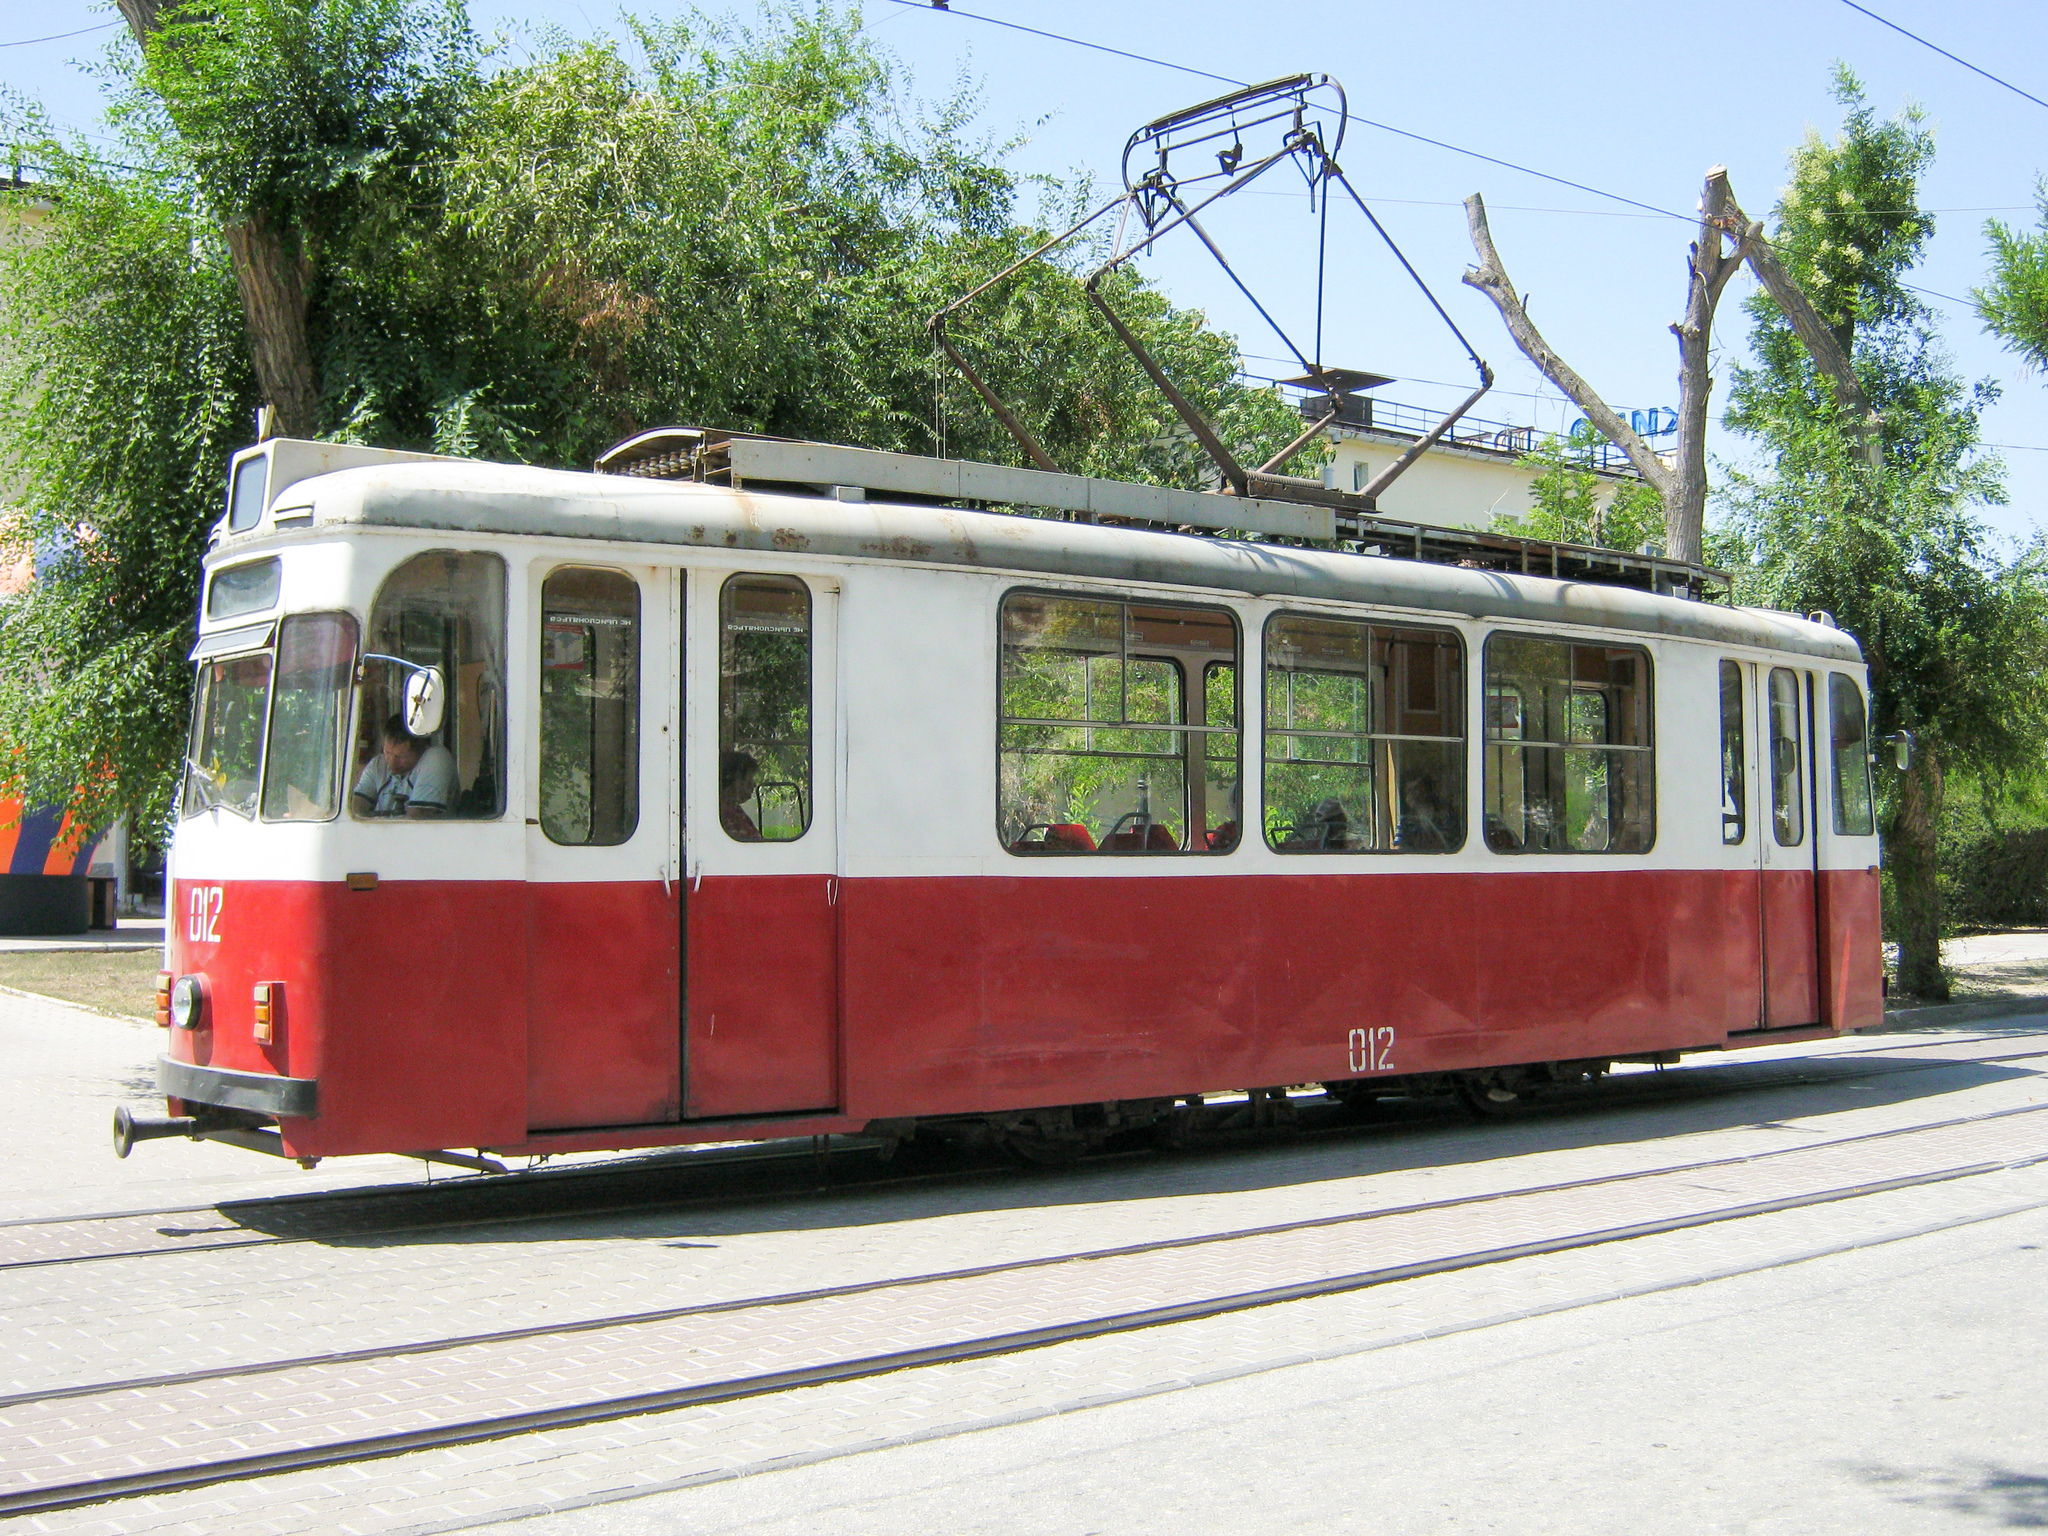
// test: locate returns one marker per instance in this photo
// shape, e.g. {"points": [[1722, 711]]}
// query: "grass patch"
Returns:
{"points": [[121, 981]]}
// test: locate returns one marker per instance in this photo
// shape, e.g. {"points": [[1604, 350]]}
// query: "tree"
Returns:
{"points": [[1726, 239], [2014, 306], [1956, 635], [746, 230], [124, 386], [1568, 501], [300, 122]]}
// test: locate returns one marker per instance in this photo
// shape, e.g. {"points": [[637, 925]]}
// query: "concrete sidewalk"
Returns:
{"points": [[131, 933]]}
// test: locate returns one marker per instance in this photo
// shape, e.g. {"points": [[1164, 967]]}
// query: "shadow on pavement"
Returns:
{"points": [[783, 1188]]}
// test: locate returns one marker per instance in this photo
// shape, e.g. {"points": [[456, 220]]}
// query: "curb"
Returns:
{"points": [[1957, 1013], [65, 1002]]}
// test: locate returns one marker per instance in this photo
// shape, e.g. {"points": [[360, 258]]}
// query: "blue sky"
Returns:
{"points": [[1634, 100]]}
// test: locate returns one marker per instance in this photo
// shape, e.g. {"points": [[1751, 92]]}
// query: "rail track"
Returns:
{"points": [[682, 1356], [754, 1174]]}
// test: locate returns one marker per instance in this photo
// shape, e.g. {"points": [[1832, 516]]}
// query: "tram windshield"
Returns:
{"points": [[444, 610], [225, 756], [316, 652]]}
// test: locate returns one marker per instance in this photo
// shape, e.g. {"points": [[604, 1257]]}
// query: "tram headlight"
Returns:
{"points": [[188, 1002]]}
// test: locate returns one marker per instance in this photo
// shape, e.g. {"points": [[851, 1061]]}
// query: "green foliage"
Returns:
{"points": [[124, 386], [2014, 306], [741, 229], [1955, 629], [1568, 500], [320, 115], [1956, 634]]}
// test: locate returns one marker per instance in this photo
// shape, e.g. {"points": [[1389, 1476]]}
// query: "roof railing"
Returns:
{"points": [[746, 460]]}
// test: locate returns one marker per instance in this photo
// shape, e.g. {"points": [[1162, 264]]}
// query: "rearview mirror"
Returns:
{"points": [[426, 698], [1901, 743]]}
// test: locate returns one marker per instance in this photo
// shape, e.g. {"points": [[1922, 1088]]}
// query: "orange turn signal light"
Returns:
{"points": [[163, 998], [266, 991]]}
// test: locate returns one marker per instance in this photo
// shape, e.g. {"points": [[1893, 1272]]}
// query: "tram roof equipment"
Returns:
{"points": [[739, 460]]}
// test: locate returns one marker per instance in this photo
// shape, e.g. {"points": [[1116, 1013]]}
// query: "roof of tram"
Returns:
{"points": [[475, 499]]}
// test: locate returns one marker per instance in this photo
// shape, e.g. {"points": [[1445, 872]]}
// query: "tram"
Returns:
{"points": [[534, 811]]}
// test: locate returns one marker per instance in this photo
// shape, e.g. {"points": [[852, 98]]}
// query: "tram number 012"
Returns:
{"points": [[202, 921], [1372, 1050]]}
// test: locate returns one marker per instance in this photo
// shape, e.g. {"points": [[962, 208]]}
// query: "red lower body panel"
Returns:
{"points": [[473, 1013], [603, 1030], [764, 996], [999, 993], [1791, 949]]}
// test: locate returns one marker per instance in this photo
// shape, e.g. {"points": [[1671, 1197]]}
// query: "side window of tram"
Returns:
{"points": [[764, 708], [1852, 758], [443, 610], [1119, 728], [225, 755], [1570, 766], [1788, 802], [1734, 791], [589, 706], [316, 652], [1365, 738]]}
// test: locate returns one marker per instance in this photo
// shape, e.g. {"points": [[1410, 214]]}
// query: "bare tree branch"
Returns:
{"points": [[1492, 280], [1821, 343]]}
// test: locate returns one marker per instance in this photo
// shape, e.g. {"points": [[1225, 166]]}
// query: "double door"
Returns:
{"points": [[1772, 834], [682, 846]]}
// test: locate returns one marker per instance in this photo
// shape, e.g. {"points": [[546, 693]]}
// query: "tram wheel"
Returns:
{"points": [[1490, 1100], [1041, 1152]]}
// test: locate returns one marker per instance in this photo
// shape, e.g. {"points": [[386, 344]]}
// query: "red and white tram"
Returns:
{"points": [[537, 811]]}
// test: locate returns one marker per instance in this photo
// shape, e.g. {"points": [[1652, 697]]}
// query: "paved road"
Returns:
{"points": [[1814, 1368]]}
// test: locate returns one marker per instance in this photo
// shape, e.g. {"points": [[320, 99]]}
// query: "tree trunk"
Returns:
{"points": [[1910, 848], [273, 289], [1685, 512], [273, 285]]}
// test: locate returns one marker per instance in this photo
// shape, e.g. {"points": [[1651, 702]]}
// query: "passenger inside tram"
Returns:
{"points": [[410, 776]]}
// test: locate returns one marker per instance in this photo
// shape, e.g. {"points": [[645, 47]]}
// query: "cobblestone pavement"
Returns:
{"points": [[68, 1326]]}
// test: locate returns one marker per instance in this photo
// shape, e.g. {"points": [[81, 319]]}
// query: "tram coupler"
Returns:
{"points": [[230, 1125], [129, 1129]]}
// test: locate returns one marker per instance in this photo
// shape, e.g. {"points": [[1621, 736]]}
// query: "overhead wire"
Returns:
{"points": [[58, 37], [1188, 69], [1936, 47]]}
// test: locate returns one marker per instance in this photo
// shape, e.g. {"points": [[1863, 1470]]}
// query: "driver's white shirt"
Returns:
{"points": [[430, 784]]}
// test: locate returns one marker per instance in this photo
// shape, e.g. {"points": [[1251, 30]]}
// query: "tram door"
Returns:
{"points": [[760, 846], [601, 947], [1788, 899]]}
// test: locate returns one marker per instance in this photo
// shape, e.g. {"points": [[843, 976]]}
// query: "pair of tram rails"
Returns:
{"points": [[723, 798]]}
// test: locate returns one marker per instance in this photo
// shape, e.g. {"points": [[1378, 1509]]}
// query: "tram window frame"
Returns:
{"points": [[775, 754], [1382, 755], [1855, 813], [338, 696], [1788, 814], [469, 648], [1585, 674], [252, 586], [1029, 830], [601, 669], [1734, 686]]}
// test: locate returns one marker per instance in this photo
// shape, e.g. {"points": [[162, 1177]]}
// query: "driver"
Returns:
{"points": [[410, 776]]}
